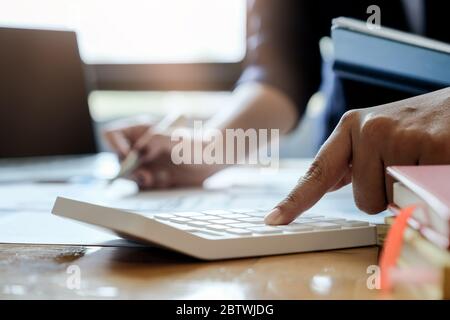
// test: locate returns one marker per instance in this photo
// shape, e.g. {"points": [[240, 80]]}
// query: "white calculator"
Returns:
{"points": [[222, 234]]}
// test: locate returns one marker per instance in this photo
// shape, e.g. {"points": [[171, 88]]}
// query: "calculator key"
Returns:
{"points": [[179, 219], [261, 214], [163, 216], [205, 218], [324, 225], [242, 225], [183, 227], [188, 214], [241, 232], [224, 221], [233, 216], [254, 220], [215, 212], [245, 211], [197, 223], [301, 218], [304, 221], [217, 227], [266, 230]]}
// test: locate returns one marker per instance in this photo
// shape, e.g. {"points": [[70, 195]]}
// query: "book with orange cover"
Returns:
{"points": [[427, 187]]}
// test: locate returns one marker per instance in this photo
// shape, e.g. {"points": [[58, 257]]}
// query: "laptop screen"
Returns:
{"points": [[43, 97]]}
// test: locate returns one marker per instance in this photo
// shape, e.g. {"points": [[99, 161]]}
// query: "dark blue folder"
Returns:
{"points": [[389, 57]]}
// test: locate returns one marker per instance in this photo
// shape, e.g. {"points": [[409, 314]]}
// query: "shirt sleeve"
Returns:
{"points": [[283, 48]]}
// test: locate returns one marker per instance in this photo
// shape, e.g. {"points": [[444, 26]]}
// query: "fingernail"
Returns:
{"points": [[274, 217]]}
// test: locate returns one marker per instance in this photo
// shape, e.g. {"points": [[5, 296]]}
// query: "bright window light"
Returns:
{"points": [[140, 31], [111, 105]]}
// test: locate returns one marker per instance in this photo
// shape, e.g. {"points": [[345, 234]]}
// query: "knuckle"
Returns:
{"points": [[350, 117], [290, 202], [374, 127], [316, 171], [291, 199]]}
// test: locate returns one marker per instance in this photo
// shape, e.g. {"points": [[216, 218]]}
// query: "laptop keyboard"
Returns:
{"points": [[240, 223]]}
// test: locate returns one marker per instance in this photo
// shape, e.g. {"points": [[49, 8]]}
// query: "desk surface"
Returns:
{"points": [[32, 271], [40, 271]]}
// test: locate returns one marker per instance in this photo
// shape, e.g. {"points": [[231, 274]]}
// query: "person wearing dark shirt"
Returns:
{"points": [[282, 70], [283, 47]]}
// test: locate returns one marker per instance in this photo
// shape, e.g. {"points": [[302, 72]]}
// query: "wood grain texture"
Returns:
{"points": [[40, 272]]}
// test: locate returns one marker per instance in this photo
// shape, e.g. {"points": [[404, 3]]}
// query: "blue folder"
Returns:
{"points": [[389, 57]]}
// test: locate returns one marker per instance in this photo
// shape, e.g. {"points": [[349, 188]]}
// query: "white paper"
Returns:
{"points": [[44, 228]]}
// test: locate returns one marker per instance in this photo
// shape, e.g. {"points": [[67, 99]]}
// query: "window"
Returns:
{"points": [[110, 105], [140, 31], [146, 44]]}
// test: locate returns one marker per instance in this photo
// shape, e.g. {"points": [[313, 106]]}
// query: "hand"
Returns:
{"points": [[156, 168], [415, 131]]}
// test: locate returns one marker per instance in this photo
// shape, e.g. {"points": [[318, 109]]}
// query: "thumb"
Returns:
{"points": [[328, 168]]}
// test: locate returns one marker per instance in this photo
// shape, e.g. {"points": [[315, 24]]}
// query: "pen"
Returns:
{"points": [[131, 161]]}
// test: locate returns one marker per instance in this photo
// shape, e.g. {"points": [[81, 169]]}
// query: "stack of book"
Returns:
{"points": [[423, 262]]}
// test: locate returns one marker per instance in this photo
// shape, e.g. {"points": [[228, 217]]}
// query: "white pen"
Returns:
{"points": [[131, 161]]}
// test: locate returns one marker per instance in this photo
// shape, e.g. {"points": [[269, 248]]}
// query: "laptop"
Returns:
{"points": [[46, 131]]}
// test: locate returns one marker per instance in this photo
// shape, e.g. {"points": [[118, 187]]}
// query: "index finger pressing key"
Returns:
{"points": [[329, 167]]}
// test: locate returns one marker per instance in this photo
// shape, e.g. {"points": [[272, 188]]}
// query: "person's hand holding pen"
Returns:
{"points": [[145, 152]]}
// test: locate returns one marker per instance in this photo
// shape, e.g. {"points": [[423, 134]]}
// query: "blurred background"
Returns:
{"points": [[154, 57]]}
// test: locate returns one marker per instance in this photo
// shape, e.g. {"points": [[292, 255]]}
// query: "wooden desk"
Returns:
{"points": [[31, 271]]}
